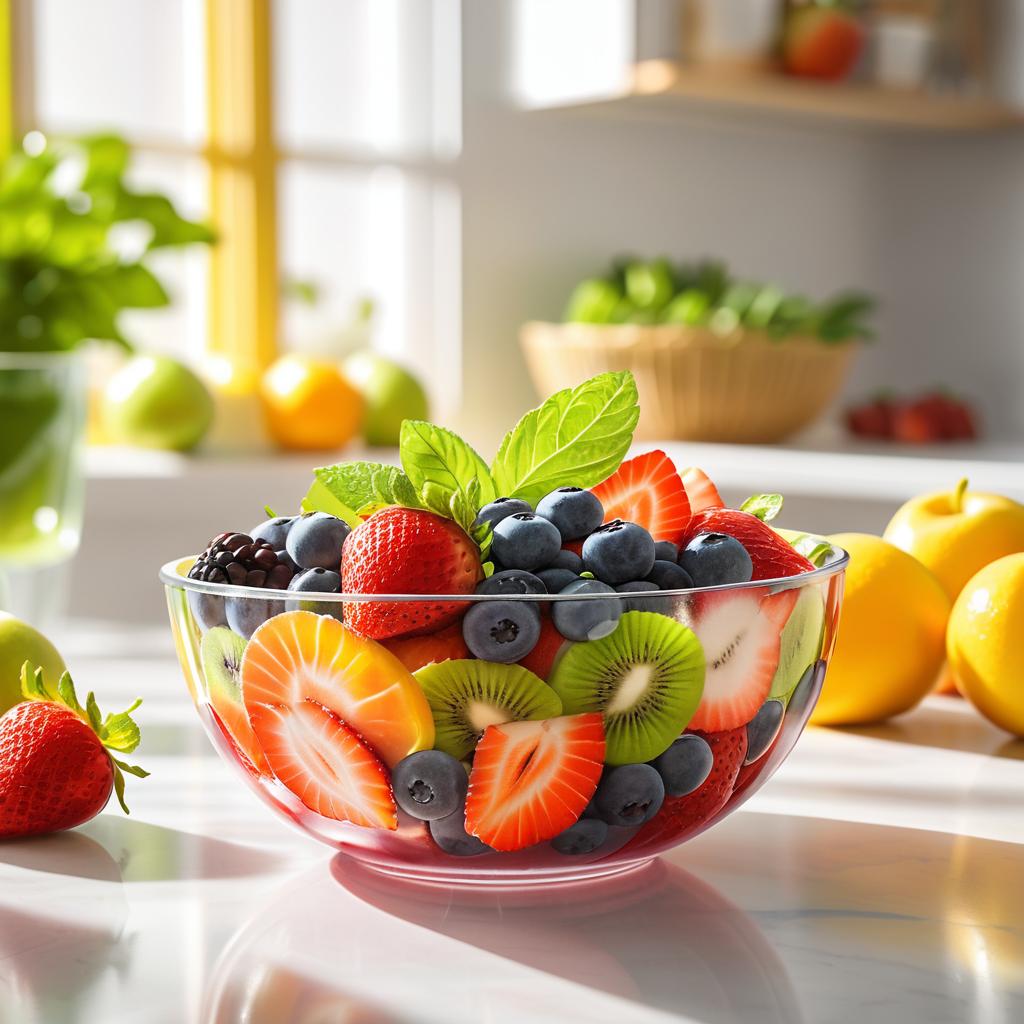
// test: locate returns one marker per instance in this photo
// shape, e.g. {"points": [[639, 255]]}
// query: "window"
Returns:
{"points": [[354, 162]]}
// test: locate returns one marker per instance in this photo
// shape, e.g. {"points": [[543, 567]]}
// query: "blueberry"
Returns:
{"points": [[714, 559], [805, 694], [556, 580], [246, 614], [315, 541], [502, 631], [566, 559], [429, 784], [525, 541], [317, 581], [450, 834], [583, 836], [654, 603], [501, 508], [286, 559], [573, 510], [666, 551], [629, 795], [590, 619], [274, 531], [207, 609], [619, 551], [763, 728], [511, 581], [685, 765], [669, 576]]}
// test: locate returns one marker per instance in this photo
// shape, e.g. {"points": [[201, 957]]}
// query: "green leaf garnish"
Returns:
{"points": [[366, 485], [814, 549], [271, 514], [578, 437], [765, 506], [449, 476], [117, 732], [319, 499]]}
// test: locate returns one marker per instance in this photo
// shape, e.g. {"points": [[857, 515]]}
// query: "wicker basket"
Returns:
{"points": [[695, 385]]}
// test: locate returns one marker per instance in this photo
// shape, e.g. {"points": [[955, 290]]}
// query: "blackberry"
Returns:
{"points": [[237, 558]]}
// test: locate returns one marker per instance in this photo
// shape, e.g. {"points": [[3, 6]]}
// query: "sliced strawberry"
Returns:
{"points": [[324, 763], [541, 660], [700, 490], [416, 651], [773, 558], [647, 490], [682, 816], [741, 632], [532, 780]]}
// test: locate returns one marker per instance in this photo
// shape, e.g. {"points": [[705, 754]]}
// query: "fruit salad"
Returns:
{"points": [[558, 663]]}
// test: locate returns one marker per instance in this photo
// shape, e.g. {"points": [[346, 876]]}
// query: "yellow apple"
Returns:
{"points": [[957, 533], [20, 642]]}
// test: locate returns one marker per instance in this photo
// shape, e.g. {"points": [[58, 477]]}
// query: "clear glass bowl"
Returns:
{"points": [[783, 629]]}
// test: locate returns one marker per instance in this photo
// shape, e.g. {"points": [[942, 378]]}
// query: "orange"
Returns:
{"points": [[301, 656], [308, 404]]}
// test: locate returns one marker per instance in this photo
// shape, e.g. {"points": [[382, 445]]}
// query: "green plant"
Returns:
{"points": [[704, 294], [74, 239]]}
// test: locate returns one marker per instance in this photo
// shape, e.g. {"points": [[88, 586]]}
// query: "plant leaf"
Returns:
{"points": [[319, 499], [578, 437], [448, 474], [360, 485], [765, 506]]}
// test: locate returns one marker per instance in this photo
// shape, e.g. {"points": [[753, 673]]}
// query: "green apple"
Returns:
{"points": [[20, 642], [156, 402], [391, 392]]}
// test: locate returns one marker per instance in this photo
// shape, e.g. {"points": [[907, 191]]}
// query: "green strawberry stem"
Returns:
{"points": [[117, 732]]}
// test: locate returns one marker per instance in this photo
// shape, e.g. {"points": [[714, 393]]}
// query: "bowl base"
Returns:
{"points": [[476, 876]]}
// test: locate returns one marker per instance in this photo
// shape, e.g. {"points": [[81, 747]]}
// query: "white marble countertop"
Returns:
{"points": [[878, 877]]}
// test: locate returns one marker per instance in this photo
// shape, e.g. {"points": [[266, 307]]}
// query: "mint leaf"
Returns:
{"points": [[319, 499], [578, 437], [765, 506], [448, 474], [357, 484]]}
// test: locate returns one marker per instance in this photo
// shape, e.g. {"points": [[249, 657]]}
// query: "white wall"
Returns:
{"points": [[931, 224]]}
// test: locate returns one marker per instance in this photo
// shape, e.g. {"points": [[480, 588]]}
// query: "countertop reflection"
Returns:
{"points": [[877, 877]]}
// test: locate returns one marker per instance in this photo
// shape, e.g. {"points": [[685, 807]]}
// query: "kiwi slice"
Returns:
{"points": [[221, 653], [466, 696], [647, 679], [800, 645]]}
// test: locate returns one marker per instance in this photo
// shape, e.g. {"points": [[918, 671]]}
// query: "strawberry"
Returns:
{"points": [[871, 419], [416, 651], [917, 423], [750, 773], [682, 816], [700, 490], [575, 546], [541, 660], [647, 491], [324, 763], [407, 551], [741, 633], [773, 558], [532, 780], [56, 766]]}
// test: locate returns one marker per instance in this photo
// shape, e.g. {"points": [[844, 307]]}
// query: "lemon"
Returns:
{"points": [[891, 641], [985, 642]]}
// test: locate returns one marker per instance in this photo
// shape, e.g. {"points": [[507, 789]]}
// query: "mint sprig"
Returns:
{"points": [[765, 506], [578, 437], [365, 486]]}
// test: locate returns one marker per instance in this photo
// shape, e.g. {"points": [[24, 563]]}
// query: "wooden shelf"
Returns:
{"points": [[664, 89]]}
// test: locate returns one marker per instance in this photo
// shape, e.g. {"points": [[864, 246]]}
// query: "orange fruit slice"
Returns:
{"points": [[299, 656]]}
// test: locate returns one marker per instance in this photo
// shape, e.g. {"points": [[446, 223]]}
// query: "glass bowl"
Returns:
{"points": [[306, 709]]}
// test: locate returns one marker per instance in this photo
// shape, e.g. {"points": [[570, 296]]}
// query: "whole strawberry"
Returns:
{"points": [[407, 551], [56, 769]]}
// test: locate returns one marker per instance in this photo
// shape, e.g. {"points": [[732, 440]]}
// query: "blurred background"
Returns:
{"points": [[240, 236]]}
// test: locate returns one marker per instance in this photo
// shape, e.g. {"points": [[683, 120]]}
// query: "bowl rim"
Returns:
{"points": [[171, 576]]}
